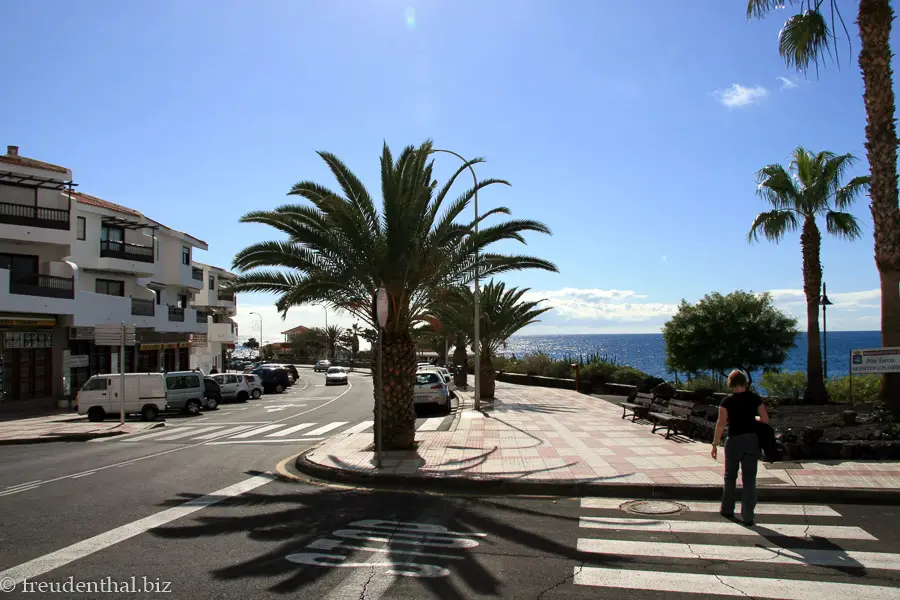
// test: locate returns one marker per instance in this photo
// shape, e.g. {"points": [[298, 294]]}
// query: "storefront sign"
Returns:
{"points": [[79, 361], [27, 339], [17, 322], [171, 346], [81, 333], [876, 360]]}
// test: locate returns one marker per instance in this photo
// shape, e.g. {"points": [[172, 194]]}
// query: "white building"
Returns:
{"points": [[220, 303]]}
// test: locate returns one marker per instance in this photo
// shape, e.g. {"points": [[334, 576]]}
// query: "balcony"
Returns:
{"points": [[126, 251], [47, 286], [202, 317], [226, 296], [196, 274], [143, 308], [176, 314], [34, 216]]}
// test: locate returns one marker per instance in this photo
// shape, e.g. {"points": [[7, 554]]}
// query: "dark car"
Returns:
{"points": [[273, 380], [292, 370], [212, 393]]}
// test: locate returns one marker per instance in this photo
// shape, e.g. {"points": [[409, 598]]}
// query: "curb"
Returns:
{"points": [[578, 489], [71, 437]]}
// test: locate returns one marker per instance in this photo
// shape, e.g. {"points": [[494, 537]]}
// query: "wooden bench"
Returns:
{"points": [[677, 420], [639, 405]]}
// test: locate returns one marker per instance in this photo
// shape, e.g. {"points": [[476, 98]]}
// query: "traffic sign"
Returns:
{"points": [[112, 335]]}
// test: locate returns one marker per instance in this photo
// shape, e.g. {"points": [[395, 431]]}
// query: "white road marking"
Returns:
{"points": [[810, 510], [20, 489], [431, 424], [44, 564], [326, 428], [257, 431], [162, 432], [184, 434], [290, 430], [83, 474], [278, 441], [10, 487], [766, 554], [360, 427], [726, 527], [725, 585], [223, 433]]}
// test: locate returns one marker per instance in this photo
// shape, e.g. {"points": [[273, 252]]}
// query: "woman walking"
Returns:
{"points": [[740, 411]]}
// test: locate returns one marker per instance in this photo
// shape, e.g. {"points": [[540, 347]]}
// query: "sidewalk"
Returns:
{"points": [[560, 442], [66, 427]]}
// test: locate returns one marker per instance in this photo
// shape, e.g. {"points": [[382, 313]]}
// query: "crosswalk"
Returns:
{"points": [[266, 433], [673, 553]]}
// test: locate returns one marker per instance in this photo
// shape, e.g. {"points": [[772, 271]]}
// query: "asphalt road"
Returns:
{"points": [[201, 519]]}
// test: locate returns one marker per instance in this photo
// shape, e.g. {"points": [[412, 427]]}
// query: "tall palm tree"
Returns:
{"points": [[350, 340], [502, 312], [340, 249], [807, 38], [810, 188], [332, 340]]}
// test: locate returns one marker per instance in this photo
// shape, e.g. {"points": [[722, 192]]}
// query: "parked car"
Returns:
{"points": [[445, 374], [322, 366], [292, 370], [233, 385], [335, 376], [254, 385], [430, 388], [145, 393], [273, 380], [185, 391], [212, 394]]}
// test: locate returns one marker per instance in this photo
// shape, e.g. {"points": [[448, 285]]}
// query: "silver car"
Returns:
{"points": [[335, 376]]}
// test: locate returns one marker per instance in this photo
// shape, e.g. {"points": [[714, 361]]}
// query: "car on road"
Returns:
{"points": [[322, 366], [445, 374], [291, 370], [145, 393], [212, 394], [233, 385], [254, 385], [336, 376], [273, 380], [430, 388], [185, 391]]}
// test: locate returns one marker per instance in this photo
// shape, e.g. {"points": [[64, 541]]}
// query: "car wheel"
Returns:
{"points": [[149, 413], [242, 397], [212, 404], [192, 407], [279, 388], [96, 414], [256, 394]]}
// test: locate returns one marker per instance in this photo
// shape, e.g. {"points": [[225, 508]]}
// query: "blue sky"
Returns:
{"points": [[633, 129]]}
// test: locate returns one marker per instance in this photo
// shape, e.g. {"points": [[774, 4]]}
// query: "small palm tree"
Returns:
{"points": [[333, 335], [502, 312], [811, 36], [350, 341], [810, 188], [342, 249]]}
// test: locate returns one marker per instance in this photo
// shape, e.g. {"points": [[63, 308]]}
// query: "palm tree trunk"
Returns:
{"points": [[875, 17], [488, 375], [397, 377], [811, 241]]}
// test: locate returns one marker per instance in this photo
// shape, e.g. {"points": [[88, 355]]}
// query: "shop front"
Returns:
{"points": [[162, 352], [31, 356]]}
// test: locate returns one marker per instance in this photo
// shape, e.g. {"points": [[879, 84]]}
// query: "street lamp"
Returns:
{"points": [[824, 302], [261, 341], [477, 339]]}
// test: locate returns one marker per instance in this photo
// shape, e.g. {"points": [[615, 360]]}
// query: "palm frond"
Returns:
{"points": [[804, 39], [846, 195], [842, 225], [757, 9], [773, 225]]}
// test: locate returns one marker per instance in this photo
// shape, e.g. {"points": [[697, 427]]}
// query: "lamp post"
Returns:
{"points": [[477, 337], [261, 342], [824, 302], [381, 306]]}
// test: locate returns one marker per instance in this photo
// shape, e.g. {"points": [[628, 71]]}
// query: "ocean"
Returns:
{"points": [[647, 351]]}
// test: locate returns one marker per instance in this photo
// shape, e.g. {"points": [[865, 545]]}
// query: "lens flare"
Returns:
{"points": [[410, 15]]}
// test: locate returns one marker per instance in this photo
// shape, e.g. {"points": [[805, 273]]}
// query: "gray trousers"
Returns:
{"points": [[741, 451]]}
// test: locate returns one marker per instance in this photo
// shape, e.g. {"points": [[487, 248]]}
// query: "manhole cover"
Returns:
{"points": [[653, 507]]}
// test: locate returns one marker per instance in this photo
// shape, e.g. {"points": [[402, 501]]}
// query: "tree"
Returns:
{"points": [[252, 344], [332, 340], [805, 39], [810, 188], [719, 333], [340, 249], [350, 341], [502, 313], [308, 343]]}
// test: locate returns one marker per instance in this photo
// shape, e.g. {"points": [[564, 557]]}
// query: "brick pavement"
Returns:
{"points": [[542, 434]]}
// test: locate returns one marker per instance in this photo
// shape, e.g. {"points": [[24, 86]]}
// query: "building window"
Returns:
{"points": [[158, 298], [112, 234], [110, 287], [212, 282], [182, 301], [185, 255], [81, 231]]}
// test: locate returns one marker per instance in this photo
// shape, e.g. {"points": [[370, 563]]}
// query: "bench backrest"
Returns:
{"points": [[681, 408], [642, 399]]}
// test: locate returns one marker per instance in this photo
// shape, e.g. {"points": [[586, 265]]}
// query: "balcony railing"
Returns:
{"points": [[226, 296], [176, 314], [201, 317], [47, 286], [126, 251], [143, 308], [34, 216], [197, 274]]}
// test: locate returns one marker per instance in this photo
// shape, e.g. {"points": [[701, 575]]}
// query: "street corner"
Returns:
{"points": [[73, 432]]}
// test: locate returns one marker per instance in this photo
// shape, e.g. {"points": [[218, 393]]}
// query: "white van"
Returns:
{"points": [[145, 393]]}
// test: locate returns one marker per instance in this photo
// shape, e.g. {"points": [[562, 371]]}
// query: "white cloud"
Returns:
{"points": [[842, 300], [273, 325], [738, 95], [787, 83], [605, 305]]}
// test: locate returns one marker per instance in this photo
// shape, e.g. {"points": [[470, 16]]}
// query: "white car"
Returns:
{"points": [[322, 365], [445, 373], [430, 388], [335, 376], [254, 383], [233, 385]]}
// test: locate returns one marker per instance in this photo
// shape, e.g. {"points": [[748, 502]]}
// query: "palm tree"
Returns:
{"points": [[341, 249], [350, 340], [810, 188], [805, 39], [503, 313], [333, 335]]}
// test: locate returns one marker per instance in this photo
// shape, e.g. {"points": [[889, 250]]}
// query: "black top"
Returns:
{"points": [[742, 409]]}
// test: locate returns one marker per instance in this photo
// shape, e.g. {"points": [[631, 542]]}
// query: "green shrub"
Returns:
{"points": [[866, 388], [784, 385], [704, 382]]}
